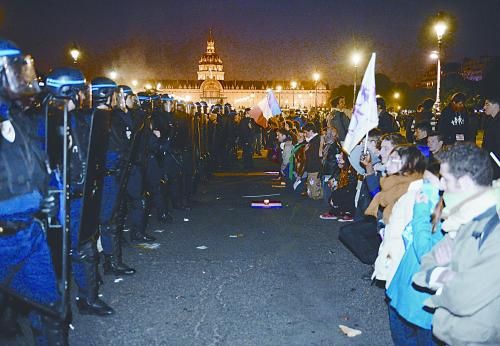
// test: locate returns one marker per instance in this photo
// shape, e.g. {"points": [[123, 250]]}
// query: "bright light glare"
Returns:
{"points": [[316, 76], [440, 29], [113, 74], [75, 54], [434, 55], [293, 84], [356, 58]]}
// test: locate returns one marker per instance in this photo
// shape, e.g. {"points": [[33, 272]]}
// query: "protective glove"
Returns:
{"points": [[50, 206]]}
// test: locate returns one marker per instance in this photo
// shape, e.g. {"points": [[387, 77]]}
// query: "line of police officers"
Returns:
{"points": [[79, 161]]}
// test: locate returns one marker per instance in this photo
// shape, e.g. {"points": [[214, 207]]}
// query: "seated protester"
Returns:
{"points": [[405, 168], [343, 191], [373, 174], [422, 131], [313, 162], [329, 166], [297, 163], [285, 139], [463, 267], [435, 142], [410, 323], [363, 197]]}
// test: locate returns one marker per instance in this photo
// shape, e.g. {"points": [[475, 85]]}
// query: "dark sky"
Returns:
{"points": [[257, 39]]}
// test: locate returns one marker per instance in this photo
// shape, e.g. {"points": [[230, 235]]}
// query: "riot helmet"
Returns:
{"points": [[227, 108], [198, 107], [190, 108], [216, 108], [103, 90], [17, 72], [65, 83], [131, 102], [181, 106], [204, 107], [169, 104]]}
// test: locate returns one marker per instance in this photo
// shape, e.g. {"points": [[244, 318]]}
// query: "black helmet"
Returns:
{"points": [[65, 82], [102, 89]]}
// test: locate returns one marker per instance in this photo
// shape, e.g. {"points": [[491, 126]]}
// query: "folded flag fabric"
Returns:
{"points": [[266, 108], [365, 116]]}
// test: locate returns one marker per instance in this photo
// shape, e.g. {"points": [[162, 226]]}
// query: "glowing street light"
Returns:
{"points": [[434, 55], [134, 82], [355, 59], [113, 74], [440, 29], [396, 95], [293, 84], [148, 86], [75, 53], [158, 86]]}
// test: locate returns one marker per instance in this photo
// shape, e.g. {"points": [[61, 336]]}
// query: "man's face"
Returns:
{"points": [[491, 109], [457, 106], [385, 149], [342, 103], [394, 163], [280, 137], [434, 144], [448, 181], [419, 134], [309, 133]]}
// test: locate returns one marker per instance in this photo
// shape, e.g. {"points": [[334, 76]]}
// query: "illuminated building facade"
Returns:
{"points": [[212, 87]]}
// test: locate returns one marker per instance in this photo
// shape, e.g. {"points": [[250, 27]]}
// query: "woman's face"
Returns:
{"points": [[394, 163], [300, 137], [385, 149]]}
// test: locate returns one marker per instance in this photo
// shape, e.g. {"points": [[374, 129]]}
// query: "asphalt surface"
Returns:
{"points": [[266, 277]]}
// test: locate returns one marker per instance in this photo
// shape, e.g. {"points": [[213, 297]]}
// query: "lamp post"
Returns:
{"points": [[278, 90], [439, 29], [316, 77], [293, 84], [75, 53], [356, 59]]}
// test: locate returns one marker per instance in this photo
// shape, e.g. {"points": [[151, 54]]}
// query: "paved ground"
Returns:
{"points": [[267, 277]]}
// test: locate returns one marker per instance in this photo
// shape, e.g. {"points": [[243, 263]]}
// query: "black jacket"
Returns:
{"points": [[453, 125], [386, 123], [313, 161]]}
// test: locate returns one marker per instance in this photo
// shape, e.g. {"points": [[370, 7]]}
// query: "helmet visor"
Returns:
{"points": [[21, 76]]}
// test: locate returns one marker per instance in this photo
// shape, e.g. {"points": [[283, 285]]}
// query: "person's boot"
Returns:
{"points": [[88, 301], [56, 331], [113, 263]]}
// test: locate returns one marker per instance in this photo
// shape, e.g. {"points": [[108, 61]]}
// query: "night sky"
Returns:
{"points": [[258, 39]]}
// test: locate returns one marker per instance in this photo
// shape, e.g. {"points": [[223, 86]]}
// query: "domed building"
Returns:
{"points": [[212, 87]]}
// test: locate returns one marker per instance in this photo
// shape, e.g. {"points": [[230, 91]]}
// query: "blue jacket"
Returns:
{"points": [[419, 240]]}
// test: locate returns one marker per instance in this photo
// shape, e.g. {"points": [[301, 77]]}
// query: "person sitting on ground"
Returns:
{"points": [[329, 166], [313, 162], [342, 194], [410, 323], [435, 142], [422, 131], [463, 267], [405, 168], [296, 170], [285, 139]]}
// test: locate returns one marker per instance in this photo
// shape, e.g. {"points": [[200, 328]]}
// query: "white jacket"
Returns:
{"points": [[392, 248]]}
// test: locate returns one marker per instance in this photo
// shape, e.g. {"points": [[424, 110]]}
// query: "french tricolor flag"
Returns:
{"points": [[265, 109]]}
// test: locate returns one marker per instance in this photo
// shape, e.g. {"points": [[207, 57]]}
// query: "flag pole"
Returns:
{"points": [[366, 143]]}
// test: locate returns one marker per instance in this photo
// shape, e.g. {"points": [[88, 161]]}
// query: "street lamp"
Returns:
{"points": [[293, 84], [440, 29], [397, 95], [113, 74], [278, 90], [316, 77], [356, 59], [75, 53]]}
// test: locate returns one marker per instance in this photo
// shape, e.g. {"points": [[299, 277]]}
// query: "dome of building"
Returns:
{"points": [[210, 59]]}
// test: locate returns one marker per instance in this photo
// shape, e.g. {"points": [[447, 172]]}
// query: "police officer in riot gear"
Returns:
{"points": [[67, 86], [26, 267], [105, 97]]}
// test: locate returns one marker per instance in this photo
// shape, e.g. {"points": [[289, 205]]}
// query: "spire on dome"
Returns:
{"points": [[210, 43]]}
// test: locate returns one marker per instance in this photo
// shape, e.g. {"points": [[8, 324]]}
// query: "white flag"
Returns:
{"points": [[365, 116]]}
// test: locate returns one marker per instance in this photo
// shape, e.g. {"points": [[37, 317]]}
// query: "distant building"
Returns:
{"points": [[474, 69], [212, 87], [470, 69]]}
